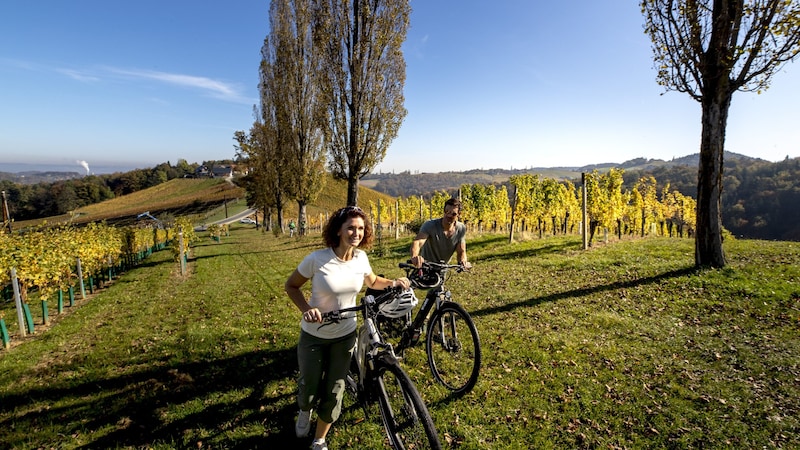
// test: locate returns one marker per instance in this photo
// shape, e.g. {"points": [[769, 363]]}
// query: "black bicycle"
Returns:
{"points": [[451, 338], [376, 376]]}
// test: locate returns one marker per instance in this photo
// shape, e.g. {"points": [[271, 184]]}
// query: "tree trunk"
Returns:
{"points": [[279, 206], [352, 190], [644, 220], [267, 225], [279, 211], [302, 223], [708, 239]]}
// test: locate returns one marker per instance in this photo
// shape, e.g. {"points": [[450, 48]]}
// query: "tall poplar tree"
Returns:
{"points": [[709, 49], [292, 68], [360, 41]]}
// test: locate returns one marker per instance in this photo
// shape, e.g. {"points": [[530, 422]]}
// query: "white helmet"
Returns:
{"points": [[400, 305]]}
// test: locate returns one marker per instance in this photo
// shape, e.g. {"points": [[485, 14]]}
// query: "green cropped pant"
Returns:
{"points": [[323, 367]]}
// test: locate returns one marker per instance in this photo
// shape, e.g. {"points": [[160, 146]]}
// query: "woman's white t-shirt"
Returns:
{"points": [[335, 284]]}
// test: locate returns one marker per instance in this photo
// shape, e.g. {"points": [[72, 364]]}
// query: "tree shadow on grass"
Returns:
{"points": [[138, 408], [582, 292], [555, 247]]}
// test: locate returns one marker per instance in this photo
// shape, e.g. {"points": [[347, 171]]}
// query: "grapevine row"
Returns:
{"points": [[551, 206], [45, 259]]}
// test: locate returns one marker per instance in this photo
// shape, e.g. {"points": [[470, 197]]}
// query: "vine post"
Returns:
{"points": [[80, 278], [180, 251], [6, 214], [584, 218], [18, 302], [513, 216]]}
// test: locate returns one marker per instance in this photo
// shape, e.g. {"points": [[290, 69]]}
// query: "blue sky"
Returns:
{"points": [[503, 84]]}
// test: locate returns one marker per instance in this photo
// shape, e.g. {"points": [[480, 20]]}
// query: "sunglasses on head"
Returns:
{"points": [[348, 209]]}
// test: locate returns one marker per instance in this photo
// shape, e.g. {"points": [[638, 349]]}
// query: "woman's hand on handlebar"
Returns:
{"points": [[313, 315], [401, 282]]}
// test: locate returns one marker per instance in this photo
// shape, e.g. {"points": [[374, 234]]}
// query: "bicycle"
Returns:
{"points": [[376, 376], [452, 343]]}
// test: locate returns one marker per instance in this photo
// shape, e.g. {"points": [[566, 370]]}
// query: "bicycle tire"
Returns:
{"points": [[405, 417], [454, 359]]}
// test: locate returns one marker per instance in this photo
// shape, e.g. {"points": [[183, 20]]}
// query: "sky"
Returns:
{"points": [[512, 84]]}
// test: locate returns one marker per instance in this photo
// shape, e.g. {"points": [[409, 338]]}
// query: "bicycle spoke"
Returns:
{"points": [[453, 349]]}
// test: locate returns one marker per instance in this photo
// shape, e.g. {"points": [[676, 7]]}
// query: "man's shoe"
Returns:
{"points": [[319, 444], [303, 424]]}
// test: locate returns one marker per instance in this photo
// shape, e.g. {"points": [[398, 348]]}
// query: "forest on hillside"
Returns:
{"points": [[760, 199]]}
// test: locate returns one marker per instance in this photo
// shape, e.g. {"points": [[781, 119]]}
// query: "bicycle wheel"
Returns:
{"points": [[407, 421], [454, 349]]}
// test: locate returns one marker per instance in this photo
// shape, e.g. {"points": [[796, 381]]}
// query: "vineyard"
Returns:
{"points": [[548, 206], [50, 261]]}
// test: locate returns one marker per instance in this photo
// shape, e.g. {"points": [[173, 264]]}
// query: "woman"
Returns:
{"points": [[337, 274]]}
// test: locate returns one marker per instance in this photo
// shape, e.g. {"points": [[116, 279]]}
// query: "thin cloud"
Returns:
{"points": [[214, 88], [78, 75], [217, 89]]}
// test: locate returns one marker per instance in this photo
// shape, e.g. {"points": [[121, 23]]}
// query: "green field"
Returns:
{"points": [[621, 346]]}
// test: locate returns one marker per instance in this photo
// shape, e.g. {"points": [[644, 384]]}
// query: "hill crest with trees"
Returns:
{"points": [[760, 200]]}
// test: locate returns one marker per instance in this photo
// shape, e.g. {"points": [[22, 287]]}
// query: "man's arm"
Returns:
{"points": [[461, 254], [416, 246]]}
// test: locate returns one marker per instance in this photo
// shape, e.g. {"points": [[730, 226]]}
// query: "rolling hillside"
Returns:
{"points": [[405, 184], [189, 196]]}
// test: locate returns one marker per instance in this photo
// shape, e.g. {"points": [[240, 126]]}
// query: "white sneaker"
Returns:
{"points": [[319, 444], [303, 424]]}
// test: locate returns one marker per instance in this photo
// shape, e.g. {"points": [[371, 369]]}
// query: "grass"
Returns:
{"points": [[621, 346]]}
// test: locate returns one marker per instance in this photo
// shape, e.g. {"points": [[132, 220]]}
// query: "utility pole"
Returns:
{"points": [[6, 213]]}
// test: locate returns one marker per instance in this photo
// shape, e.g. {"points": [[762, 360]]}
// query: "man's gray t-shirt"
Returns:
{"points": [[438, 247]]}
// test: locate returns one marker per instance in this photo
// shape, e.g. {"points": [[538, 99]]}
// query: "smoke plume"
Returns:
{"points": [[85, 166]]}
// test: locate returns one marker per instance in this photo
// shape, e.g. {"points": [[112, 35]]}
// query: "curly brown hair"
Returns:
{"points": [[330, 233]]}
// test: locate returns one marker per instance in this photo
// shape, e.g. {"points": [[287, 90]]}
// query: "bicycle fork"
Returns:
{"points": [[411, 335]]}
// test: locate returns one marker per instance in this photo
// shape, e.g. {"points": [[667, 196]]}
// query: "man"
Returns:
{"points": [[438, 239]]}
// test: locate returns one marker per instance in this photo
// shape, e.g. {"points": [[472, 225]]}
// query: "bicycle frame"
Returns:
{"points": [[434, 299], [369, 342], [408, 424], [370, 345]]}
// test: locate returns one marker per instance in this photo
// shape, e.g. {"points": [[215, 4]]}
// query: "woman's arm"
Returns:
{"points": [[379, 283], [292, 287]]}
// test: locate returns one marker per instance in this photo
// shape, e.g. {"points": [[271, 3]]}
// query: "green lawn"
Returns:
{"points": [[621, 346]]}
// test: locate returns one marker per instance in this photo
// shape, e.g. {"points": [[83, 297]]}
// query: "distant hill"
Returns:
{"points": [[35, 176], [406, 184]]}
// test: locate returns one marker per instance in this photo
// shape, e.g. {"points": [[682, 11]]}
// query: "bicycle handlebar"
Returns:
{"points": [[386, 295], [430, 265]]}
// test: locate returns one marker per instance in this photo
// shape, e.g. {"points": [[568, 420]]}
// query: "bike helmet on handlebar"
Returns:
{"points": [[400, 305], [425, 278]]}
